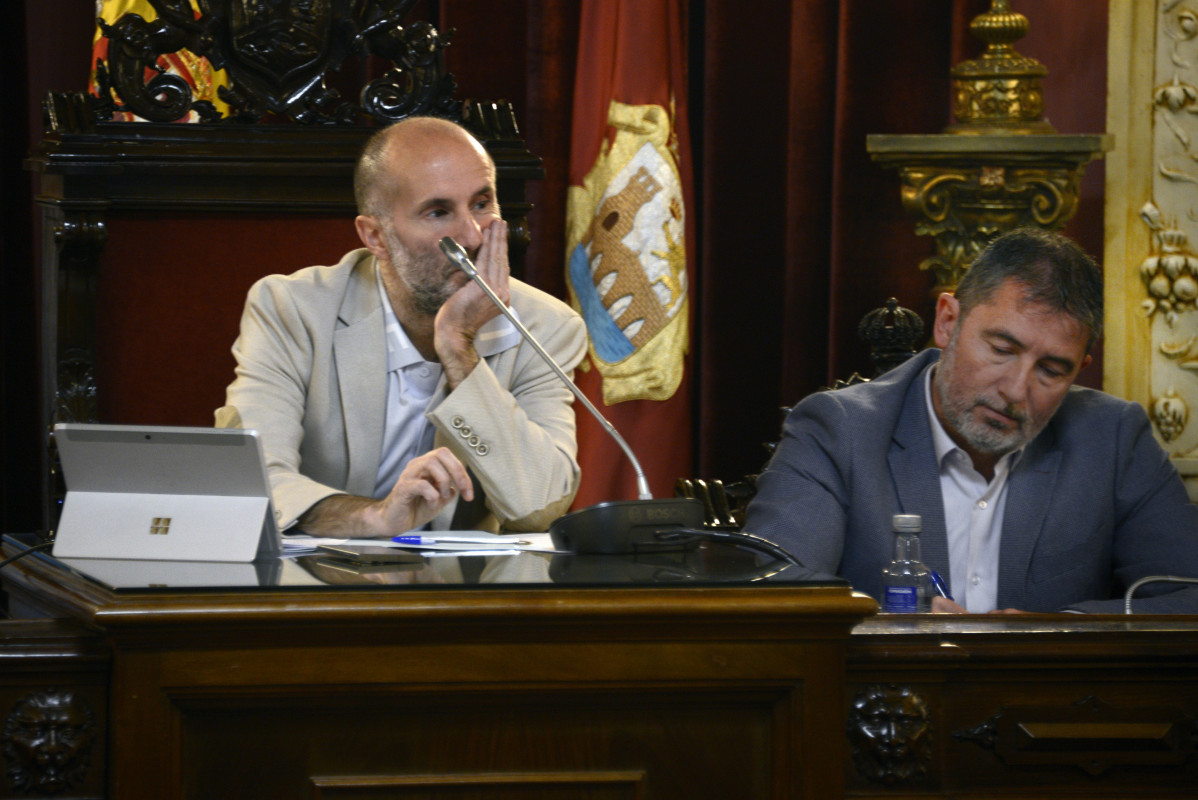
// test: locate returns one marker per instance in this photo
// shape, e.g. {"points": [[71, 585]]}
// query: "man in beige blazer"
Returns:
{"points": [[313, 365]]}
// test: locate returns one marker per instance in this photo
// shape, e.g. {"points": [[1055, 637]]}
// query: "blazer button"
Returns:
{"points": [[457, 422], [464, 432], [482, 449], [474, 440]]}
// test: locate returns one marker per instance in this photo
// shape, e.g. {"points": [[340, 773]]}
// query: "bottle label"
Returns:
{"points": [[900, 600]]}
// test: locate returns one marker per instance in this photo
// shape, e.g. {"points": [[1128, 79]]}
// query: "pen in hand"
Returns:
{"points": [[939, 585]]}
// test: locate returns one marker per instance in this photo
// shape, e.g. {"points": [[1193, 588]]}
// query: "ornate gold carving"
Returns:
{"points": [[1170, 415], [963, 206], [1152, 356], [1002, 89], [47, 741], [891, 734], [1170, 277], [1174, 97], [1000, 166], [1171, 272]]}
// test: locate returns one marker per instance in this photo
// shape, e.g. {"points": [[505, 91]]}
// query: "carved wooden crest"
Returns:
{"points": [[890, 731], [277, 54], [47, 740]]}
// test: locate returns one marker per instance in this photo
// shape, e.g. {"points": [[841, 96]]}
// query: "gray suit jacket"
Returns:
{"points": [[1092, 505], [311, 377]]}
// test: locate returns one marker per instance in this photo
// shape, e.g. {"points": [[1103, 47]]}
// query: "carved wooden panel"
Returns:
{"points": [[890, 734], [498, 741], [1090, 734], [1042, 707], [53, 710]]}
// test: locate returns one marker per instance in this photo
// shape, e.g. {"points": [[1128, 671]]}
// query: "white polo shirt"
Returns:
{"points": [[411, 383]]}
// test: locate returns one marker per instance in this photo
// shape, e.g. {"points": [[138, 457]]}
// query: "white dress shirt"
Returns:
{"points": [[973, 516]]}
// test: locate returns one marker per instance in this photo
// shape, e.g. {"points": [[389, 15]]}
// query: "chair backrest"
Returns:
{"points": [[892, 333]]}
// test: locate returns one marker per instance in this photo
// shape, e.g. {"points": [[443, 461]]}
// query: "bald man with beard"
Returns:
{"points": [[389, 392]]}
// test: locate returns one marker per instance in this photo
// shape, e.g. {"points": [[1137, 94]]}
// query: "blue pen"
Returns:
{"points": [[430, 541], [939, 585]]}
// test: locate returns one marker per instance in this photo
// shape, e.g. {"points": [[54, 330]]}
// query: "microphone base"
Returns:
{"points": [[624, 526]]}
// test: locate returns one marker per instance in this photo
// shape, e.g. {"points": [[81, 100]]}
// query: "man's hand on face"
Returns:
{"points": [[469, 308]]}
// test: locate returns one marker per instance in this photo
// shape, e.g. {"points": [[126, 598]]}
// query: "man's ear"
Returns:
{"points": [[948, 314], [371, 234]]}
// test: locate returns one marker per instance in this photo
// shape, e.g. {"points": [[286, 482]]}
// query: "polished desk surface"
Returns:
{"points": [[708, 563], [512, 593]]}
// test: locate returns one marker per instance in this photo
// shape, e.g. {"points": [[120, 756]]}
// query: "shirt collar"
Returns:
{"points": [[495, 336], [400, 350]]}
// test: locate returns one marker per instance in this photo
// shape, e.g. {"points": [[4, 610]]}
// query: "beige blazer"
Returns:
{"points": [[311, 379]]}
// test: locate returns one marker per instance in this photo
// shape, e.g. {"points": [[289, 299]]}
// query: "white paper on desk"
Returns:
{"points": [[302, 544]]}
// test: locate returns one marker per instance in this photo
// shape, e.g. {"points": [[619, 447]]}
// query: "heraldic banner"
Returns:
{"points": [[627, 241]]}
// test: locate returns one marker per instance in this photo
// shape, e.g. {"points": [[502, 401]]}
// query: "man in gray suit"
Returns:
{"points": [[388, 390], [1035, 494]]}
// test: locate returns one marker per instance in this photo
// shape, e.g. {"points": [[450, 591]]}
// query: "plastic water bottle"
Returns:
{"points": [[905, 579]]}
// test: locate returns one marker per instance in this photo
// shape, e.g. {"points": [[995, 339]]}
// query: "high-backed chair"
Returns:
{"points": [[892, 333]]}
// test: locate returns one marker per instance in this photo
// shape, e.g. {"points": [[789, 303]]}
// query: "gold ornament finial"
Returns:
{"points": [[1001, 91], [999, 28]]}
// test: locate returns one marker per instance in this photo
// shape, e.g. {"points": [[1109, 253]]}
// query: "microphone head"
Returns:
{"points": [[457, 254]]}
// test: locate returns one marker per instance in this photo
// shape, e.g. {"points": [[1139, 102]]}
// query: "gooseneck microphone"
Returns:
{"points": [[1131, 590], [458, 256], [613, 527]]}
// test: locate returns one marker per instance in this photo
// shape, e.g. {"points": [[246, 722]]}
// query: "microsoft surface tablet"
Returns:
{"points": [[168, 493]]}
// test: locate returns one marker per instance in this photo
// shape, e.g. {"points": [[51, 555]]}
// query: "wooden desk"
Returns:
{"points": [[675, 691], [739, 691], [1044, 705]]}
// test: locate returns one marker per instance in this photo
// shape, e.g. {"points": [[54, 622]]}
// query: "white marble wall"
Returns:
{"points": [[1151, 259]]}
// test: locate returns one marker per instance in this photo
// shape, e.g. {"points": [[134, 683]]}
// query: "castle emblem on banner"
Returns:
{"points": [[626, 257]]}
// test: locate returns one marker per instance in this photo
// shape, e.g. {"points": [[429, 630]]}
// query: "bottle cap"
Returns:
{"points": [[907, 523]]}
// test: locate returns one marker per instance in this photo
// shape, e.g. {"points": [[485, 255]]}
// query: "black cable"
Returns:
{"points": [[734, 537], [35, 548]]}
